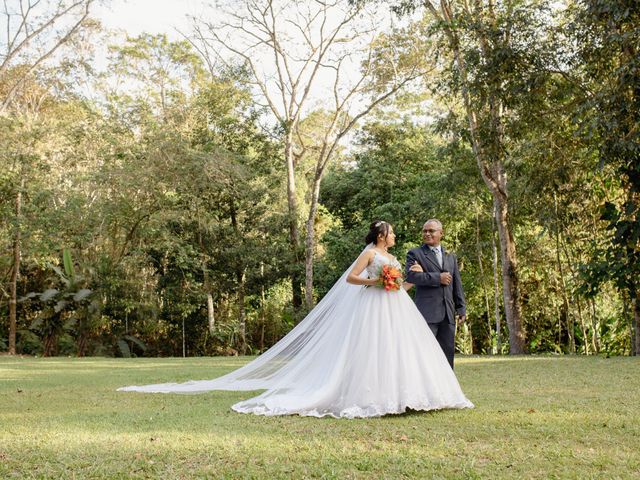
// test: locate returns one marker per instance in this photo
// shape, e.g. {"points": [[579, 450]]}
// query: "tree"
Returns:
{"points": [[164, 73], [608, 37], [497, 63], [34, 34], [327, 42]]}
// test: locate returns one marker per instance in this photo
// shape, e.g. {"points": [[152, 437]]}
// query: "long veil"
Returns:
{"points": [[309, 353]]}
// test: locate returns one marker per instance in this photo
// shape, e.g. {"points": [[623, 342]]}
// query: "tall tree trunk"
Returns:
{"points": [[496, 289], [488, 153], [184, 338], [13, 300], [510, 288], [310, 241], [632, 322], [210, 308], [294, 235]]}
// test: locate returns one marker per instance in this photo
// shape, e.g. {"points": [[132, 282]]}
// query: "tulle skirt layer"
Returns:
{"points": [[381, 359]]}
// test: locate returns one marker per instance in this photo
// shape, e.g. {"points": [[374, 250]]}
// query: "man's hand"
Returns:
{"points": [[445, 278], [462, 319]]}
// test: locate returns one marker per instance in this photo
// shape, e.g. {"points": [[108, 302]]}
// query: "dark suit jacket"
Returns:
{"points": [[436, 302]]}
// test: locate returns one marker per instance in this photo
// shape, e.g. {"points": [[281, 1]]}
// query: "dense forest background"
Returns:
{"points": [[163, 204]]}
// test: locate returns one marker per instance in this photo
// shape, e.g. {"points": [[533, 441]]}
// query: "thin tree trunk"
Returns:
{"points": [[210, 308], [262, 329], [594, 325], [583, 327], [631, 320], [205, 276], [294, 235], [559, 314], [310, 241], [263, 320], [496, 289], [211, 313], [241, 279], [242, 316], [482, 277], [308, 262], [15, 272], [563, 289], [184, 338], [636, 324]]}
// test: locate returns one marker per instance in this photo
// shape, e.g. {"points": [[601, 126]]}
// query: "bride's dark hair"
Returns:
{"points": [[377, 227]]}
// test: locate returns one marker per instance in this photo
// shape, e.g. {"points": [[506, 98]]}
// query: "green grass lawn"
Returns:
{"points": [[535, 417]]}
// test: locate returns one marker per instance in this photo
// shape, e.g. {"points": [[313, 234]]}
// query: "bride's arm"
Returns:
{"points": [[359, 267], [407, 286]]}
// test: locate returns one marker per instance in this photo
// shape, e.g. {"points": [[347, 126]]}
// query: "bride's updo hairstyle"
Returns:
{"points": [[377, 227]]}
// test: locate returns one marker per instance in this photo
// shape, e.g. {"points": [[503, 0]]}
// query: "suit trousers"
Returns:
{"points": [[445, 334]]}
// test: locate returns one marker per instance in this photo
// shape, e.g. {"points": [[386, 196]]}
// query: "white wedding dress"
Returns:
{"points": [[361, 352]]}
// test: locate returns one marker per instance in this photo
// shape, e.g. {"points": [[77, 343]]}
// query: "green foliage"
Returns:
{"points": [[607, 61], [70, 308]]}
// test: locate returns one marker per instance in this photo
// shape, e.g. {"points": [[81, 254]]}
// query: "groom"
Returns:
{"points": [[439, 295]]}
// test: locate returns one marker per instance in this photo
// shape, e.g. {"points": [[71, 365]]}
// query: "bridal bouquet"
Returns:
{"points": [[390, 278]]}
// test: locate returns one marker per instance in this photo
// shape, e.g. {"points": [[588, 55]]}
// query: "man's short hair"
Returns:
{"points": [[434, 220]]}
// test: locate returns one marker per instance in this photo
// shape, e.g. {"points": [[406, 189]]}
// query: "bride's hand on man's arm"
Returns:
{"points": [[416, 267]]}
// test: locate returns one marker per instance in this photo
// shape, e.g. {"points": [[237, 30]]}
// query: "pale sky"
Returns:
{"points": [[152, 16], [170, 17]]}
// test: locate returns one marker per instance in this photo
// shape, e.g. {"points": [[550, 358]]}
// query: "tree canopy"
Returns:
{"points": [[158, 207]]}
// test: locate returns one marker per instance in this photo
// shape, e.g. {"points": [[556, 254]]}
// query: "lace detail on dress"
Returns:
{"points": [[379, 260], [356, 411]]}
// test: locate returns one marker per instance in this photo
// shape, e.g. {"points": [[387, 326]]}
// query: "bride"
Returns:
{"points": [[363, 351]]}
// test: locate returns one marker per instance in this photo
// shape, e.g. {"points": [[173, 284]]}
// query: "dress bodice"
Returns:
{"points": [[379, 260]]}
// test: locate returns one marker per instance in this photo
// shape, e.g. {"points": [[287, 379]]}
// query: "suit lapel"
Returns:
{"points": [[431, 258]]}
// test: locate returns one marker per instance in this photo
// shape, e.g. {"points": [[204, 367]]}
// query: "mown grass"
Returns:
{"points": [[535, 417]]}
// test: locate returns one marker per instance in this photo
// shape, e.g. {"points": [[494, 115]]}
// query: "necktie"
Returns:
{"points": [[436, 252]]}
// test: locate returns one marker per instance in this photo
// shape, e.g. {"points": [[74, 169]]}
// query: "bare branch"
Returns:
{"points": [[12, 50], [262, 85], [57, 16]]}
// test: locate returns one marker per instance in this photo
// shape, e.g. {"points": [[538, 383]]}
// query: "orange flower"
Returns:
{"points": [[390, 278]]}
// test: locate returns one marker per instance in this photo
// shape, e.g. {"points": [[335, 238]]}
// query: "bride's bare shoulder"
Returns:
{"points": [[368, 254]]}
